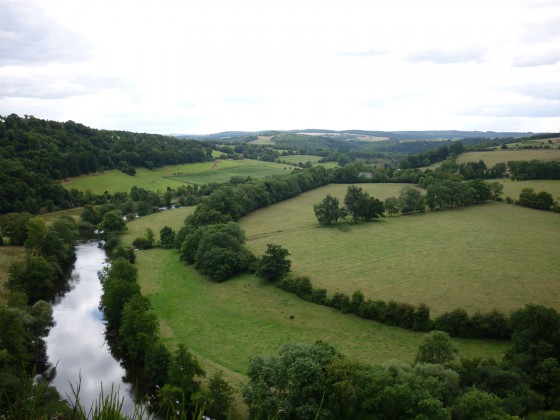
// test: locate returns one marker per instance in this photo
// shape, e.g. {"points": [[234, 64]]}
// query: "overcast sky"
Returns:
{"points": [[206, 66]]}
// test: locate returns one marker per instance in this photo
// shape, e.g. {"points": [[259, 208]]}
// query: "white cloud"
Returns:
{"points": [[209, 66]]}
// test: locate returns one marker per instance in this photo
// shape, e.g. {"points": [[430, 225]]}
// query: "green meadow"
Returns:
{"points": [[296, 159], [226, 323], [513, 188], [498, 156], [174, 176], [553, 143], [482, 257], [156, 221]]}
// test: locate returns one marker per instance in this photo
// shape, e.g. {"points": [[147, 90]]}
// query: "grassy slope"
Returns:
{"points": [[226, 323], [481, 257], [156, 221], [497, 156], [174, 176], [513, 188]]}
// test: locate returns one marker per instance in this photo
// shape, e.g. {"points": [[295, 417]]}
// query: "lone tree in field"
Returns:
{"points": [[274, 264], [436, 348], [328, 211]]}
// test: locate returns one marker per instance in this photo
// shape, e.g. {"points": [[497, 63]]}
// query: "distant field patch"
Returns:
{"points": [[482, 257], [262, 140], [295, 159], [156, 221], [226, 323], [174, 176], [223, 170], [553, 143], [497, 156], [513, 188]]}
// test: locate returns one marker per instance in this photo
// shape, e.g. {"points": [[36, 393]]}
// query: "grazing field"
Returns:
{"points": [[226, 323], [174, 176], [295, 159], [513, 188], [488, 256], [262, 140], [553, 143], [497, 156], [156, 221]]}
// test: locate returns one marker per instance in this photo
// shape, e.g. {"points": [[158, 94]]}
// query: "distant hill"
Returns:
{"points": [[353, 134]]}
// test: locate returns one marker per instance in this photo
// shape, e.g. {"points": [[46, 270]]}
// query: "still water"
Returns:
{"points": [[76, 344]]}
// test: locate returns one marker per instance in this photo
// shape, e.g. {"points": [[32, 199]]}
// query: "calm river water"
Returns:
{"points": [[76, 344]]}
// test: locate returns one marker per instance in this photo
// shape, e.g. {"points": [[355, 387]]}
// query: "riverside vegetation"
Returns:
{"points": [[303, 380]]}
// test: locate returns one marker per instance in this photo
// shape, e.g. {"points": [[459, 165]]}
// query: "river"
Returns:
{"points": [[76, 344]]}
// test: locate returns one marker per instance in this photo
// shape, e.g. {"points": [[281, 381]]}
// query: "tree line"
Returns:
{"points": [[491, 325], [26, 319]]}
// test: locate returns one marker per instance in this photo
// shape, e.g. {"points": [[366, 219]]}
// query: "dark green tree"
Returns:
{"points": [[411, 200], [139, 328], [220, 397], [328, 211], [185, 371], [437, 348], [167, 237], [32, 276], [356, 202], [274, 264], [293, 383], [156, 365]]}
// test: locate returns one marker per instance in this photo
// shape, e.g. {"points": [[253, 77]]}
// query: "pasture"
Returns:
{"points": [[490, 158], [174, 176], [296, 159], [156, 221], [553, 143], [226, 323], [482, 257], [513, 188]]}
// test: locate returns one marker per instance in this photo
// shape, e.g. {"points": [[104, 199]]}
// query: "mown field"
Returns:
{"points": [[174, 176], [497, 156], [479, 258], [513, 188], [226, 323], [296, 159]]}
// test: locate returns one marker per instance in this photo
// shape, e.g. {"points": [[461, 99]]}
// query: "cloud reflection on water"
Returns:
{"points": [[76, 344]]}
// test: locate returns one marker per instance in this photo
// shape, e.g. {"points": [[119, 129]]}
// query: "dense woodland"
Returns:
{"points": [[35, 154], [302, 381]]}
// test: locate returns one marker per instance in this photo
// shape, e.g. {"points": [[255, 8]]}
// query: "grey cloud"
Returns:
{"points": [[533, 60], [436, 56], [542, 31], [26, 36], [45, 87], [550, 91], [533, 109]]}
